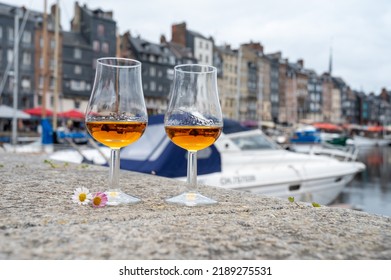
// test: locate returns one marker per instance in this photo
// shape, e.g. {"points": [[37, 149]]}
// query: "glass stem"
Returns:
{"points": [[192, 169], [114, 170]]}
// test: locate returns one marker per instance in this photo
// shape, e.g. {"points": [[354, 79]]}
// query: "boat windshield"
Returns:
{"points": [[254, 142]]}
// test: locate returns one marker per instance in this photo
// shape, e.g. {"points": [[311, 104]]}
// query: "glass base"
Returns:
{"points": [[118, 197], [191, 199]]}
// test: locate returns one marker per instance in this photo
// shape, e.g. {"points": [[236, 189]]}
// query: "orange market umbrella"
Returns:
{"points": [[327, 126], [71, 114], [375, 128]]}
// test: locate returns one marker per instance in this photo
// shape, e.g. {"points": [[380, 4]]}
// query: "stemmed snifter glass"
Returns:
{"points": [[116, 115], [193, 120]]}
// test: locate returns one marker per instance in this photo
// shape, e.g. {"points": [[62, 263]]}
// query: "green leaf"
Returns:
{"points": [[50, 163], [291, 199], [315, 204]]}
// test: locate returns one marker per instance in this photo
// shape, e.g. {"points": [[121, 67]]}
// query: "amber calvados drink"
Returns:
{"points": [[116, 134], [193, 121], [116, 115], [193, 138]]}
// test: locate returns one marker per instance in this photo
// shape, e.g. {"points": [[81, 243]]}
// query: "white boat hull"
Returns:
{"points": [[315, 181], [366, 141]]}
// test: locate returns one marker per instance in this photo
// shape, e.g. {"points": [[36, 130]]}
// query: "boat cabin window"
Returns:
{"points": [[254, 142]]}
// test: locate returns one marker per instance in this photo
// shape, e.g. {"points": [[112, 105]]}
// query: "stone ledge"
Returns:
{"points": [[39, 221]]}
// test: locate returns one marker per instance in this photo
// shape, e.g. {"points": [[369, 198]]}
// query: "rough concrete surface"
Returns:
{"points": [[38, 220]]}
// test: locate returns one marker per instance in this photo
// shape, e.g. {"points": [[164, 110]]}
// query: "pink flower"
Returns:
{"points": [[99, 199]]}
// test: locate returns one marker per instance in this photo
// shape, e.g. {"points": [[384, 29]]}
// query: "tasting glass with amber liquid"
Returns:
{"points": [[193, 121], [116, 115]]}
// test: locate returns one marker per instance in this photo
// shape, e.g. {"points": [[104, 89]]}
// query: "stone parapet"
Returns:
{"points": [[38, 220]]}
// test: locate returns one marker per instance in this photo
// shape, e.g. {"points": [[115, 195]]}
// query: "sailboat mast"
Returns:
{"points": [[16, 77], [56, 66], [45, 59]]}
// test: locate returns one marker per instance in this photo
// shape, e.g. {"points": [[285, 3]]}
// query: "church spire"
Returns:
{"points": [[331, 61], [331, 57]]}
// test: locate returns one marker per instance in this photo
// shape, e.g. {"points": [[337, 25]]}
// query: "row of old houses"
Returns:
{"points": [[253, 85]]}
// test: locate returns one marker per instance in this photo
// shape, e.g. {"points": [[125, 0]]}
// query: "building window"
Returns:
{"points": [[52, 64], [200, 57], [11, 83], [77, 104], [26, 37], [77, 53], [41, 62], [170, 74], [10, 34], [200, 44], [78, 85], [51, 82], [77, 69], [153, 86], [41, 82], [172, 60], [152, 71], [1, 32], [101, 30], [206, 59], [96, 46], [52, 44], [10, 55], [1, 56], [26, 59], [105, 47], [207, 46]]}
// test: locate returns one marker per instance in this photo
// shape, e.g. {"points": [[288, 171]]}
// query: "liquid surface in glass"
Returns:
{"points": [[193, 138], [116, 134]]}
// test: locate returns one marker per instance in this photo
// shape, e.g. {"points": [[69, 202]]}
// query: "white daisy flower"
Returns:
{"points": [[81, 196]]}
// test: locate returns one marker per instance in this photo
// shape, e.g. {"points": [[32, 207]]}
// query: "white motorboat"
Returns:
{"points": [[243, 160], [250, 162], [371, 141]]}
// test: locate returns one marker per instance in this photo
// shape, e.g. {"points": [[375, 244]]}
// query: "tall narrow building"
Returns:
{"points": [[26, 84], [201, 46]]}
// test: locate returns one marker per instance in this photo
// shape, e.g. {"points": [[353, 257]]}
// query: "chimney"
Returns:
{"points": [[384, 95], [257, 46], [75, 23], [163, 39], [301, 63], [178, 33]]}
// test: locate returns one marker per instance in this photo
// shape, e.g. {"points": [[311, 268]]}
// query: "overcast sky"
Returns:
{"points": [[358, 31]]}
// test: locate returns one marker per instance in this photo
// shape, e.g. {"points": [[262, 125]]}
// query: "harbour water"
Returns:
{"points": [[370, 191]]}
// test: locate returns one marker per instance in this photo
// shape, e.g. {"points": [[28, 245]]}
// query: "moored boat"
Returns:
{"points": [[372, 136], [371, 141]]}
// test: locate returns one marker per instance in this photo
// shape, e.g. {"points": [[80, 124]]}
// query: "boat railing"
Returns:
{"points": [[344, 154]]}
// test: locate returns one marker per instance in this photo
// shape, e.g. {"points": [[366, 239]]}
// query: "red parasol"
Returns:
{"points": [[327, 126], [375, 128], [37, 111], [71, 114]]}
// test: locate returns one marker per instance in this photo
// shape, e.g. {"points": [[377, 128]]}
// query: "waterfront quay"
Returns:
{"points": [[38, 220]]}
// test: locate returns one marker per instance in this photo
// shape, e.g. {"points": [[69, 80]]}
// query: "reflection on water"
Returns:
{"points": [[370, 190]]}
